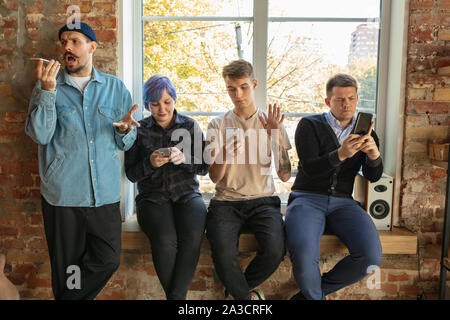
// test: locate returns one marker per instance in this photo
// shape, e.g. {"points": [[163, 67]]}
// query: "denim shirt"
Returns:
{"points": [[79, 163]]}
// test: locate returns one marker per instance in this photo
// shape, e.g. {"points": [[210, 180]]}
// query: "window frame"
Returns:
{"points": [[390, 76], [261, 20]]}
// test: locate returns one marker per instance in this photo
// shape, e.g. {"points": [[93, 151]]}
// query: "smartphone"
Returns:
{"points": [[165, 152], [37, 59], [362, 125], [230, 133]]}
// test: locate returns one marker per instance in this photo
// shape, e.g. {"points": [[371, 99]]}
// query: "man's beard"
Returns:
{"points": [[76, 70]]}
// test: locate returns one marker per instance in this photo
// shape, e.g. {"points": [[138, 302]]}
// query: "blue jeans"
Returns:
{"points": [[306, 217], [175, 231], [225, 221]]}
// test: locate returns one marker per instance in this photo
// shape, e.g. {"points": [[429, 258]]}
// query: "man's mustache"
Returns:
{"points": [[69, 54]]}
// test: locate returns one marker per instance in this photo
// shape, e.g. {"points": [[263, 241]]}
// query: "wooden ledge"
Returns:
{"points": [[397, 241]]}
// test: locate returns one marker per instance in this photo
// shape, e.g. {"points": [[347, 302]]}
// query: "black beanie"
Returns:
{"points": [[84, 28]]}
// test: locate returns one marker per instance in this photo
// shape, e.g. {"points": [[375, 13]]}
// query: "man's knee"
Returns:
{"points": [[112, 266], [223, 252], [113, 262], [273, 250], [368, 258], [373, 258], [108, 264]]}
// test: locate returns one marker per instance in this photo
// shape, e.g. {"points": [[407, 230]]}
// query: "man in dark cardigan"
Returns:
{"points": [[330, 157]]}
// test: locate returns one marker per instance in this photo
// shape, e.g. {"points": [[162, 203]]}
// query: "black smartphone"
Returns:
{"points": [[362, 125]]}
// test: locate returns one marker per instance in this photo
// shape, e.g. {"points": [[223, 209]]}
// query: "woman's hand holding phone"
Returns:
{"points": [[176, 156], [158, 159]]}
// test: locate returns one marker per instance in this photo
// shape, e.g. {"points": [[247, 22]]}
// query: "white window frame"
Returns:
{"points": [[391, 69]]}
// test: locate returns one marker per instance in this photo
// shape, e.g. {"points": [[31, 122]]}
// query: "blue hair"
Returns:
{"points": [[154, 88]]}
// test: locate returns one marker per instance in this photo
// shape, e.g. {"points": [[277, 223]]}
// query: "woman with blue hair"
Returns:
{"points": [[169, 207]]}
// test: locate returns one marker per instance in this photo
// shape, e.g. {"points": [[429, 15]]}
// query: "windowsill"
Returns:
{"points": [[396, 241]]}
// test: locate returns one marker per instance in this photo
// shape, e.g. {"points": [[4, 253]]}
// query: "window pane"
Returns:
{"points": [[224, 8], [303, 55], [207, 187], [192, 54], [284, 188], [325, 8]]}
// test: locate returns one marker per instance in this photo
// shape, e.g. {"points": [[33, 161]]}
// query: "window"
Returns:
{"points": [[295, 46]]}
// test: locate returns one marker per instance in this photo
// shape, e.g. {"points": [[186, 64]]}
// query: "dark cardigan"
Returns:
{"points": [[320, 170]]}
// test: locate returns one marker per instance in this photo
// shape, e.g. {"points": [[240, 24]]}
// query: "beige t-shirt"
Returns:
{"points": [[250, 175]]}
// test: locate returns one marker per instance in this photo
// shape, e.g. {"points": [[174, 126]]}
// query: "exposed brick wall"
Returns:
{"points": [[28, 28], [136, 279], [426, 119]]}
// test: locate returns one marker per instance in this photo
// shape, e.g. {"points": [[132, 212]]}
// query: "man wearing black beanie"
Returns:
{"points": [[81, 118]]}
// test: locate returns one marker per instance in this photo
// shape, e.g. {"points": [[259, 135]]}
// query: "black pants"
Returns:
{"points": [[225, 222], [83, 242], [175, 231]]}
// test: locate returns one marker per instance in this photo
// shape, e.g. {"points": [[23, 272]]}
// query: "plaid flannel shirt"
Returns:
{"points": [[168, 182]]}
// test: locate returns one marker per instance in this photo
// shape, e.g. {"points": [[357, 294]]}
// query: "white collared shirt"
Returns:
{"points": [[340, 132]]}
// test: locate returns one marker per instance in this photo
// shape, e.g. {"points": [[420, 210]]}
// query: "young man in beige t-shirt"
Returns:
{"points": [[242, 143]]}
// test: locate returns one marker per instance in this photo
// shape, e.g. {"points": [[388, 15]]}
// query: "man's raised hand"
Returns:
{"points": [[126, 124], [47, 75], [273, 120], [369, 146]]}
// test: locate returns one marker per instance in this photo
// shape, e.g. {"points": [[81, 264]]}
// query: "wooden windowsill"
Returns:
{"points": [[397, 241]]}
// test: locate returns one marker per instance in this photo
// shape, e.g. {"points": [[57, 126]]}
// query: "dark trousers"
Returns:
{"points": [[175, 231], [225, 222], [307, 217], [84, 245]]}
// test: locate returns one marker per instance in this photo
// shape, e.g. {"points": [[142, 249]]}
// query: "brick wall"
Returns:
{"points": [[28, 28], [426, 119]]}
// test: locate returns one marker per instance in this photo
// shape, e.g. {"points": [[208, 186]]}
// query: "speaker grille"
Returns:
{"points": [[379, 209]]}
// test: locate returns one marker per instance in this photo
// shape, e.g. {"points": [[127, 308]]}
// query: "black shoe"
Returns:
{"points": [[298, 296]]}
